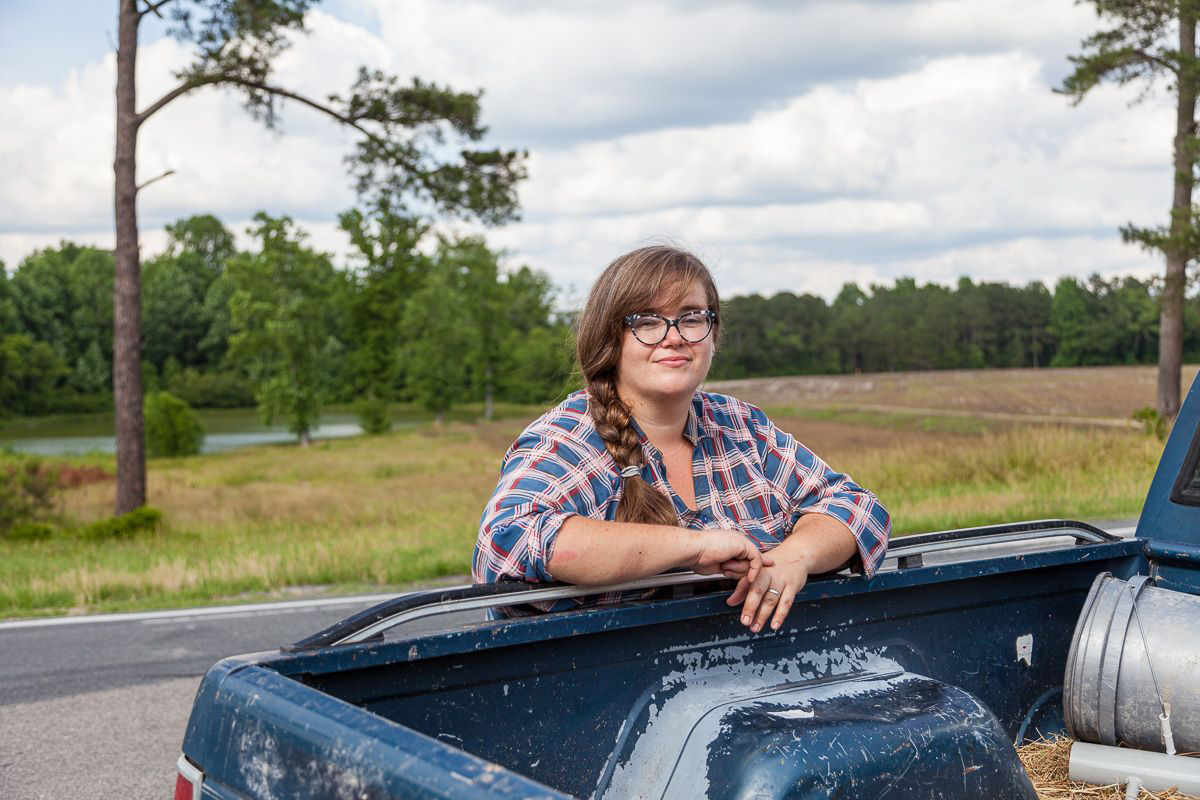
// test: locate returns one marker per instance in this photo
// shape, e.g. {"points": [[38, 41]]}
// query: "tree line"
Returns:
{"points": [[410, 317], [911, 326], [435, 321]]}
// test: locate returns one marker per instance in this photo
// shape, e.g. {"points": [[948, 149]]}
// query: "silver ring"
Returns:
{"points": [[776, 591]]}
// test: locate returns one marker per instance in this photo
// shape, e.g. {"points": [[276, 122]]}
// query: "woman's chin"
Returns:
{"points": [[677, 385]]}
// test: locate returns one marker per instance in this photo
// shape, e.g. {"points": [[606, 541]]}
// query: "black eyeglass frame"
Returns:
{"points": [[708, 313]]}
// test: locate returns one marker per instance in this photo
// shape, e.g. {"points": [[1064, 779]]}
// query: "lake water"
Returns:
{"points": [[225, 429]]}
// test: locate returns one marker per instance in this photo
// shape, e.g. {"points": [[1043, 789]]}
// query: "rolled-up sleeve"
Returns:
{"points": [[542, 483], [812, 487]]}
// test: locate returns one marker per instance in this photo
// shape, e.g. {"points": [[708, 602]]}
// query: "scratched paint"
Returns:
{"points": [[654, 759]]}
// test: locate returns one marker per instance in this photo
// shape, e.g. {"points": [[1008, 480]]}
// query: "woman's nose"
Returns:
{"points": [[673, 337]]}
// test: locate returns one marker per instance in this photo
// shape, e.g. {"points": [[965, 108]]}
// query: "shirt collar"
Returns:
{"points": [[693, 431]]}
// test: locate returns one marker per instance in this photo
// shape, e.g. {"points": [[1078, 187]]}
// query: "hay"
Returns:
{"points": [[1046, 762]]}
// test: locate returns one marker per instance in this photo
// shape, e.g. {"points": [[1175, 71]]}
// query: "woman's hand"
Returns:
{"points": [[771, 590], [726, 550]]}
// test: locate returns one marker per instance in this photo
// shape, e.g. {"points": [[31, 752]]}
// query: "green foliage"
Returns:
{"points": [[1151, 421], [387, 270], [439, 338], [517, 347], [184, 312], [906, 326], [63, 297], [124, 526], [30, 375], [222, 389], [172, 428], [8, 311], [28, 532], [1104, 322], [285, 318], [474, 333], [374, 414], [28, 490]]}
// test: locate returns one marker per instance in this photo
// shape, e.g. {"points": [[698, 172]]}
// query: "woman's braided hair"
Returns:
{"points": [[631, 283]]}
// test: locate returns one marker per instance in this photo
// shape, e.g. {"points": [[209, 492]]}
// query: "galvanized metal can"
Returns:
{"points": [[1111, 694]]}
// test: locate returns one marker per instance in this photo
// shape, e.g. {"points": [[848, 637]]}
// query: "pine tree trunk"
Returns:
{"points": [[1170, 327], [127, 361]]}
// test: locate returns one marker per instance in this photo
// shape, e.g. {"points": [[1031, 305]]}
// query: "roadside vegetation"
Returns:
{"points": [[381, 512]]}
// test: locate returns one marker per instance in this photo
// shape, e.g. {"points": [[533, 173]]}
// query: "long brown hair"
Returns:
{"points": [[631, 283]]}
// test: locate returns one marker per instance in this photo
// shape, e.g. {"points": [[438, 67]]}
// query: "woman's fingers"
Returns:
{"points": [[787, 596], [739, 592], [772, 599], [754, 597]]}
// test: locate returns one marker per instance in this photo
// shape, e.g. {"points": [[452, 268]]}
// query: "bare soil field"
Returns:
{"points": [[1093, 393]]}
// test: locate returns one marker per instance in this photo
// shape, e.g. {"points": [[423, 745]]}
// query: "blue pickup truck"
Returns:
{"points": [[914, 684]]}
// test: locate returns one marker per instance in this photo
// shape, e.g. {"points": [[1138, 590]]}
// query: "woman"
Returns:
{"points": [[640, 472]]}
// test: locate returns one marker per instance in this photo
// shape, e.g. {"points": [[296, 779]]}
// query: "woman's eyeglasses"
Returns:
{"points": [[650, 329]]}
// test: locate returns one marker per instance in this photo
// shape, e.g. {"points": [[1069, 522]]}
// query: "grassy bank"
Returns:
{"points": [[366, 513]]}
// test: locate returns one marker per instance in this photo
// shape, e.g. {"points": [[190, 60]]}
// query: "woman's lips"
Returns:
{"points": [[673, 361]]}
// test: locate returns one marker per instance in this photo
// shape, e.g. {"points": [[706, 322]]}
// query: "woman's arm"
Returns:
{"points": [[545, 522], [595, 552]]}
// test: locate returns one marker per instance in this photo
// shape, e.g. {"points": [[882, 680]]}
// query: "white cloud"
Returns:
{"points": [[796, 145]]}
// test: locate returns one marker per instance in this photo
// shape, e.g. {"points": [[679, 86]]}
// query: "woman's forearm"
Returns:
{"points": [[822, 541], [593, 552]]}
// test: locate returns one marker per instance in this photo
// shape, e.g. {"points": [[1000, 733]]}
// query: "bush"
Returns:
{"points": [[125, 526], [1152, 423], [29, 532], [374, 414], [27, 493], [211, 389], [172, 428]]}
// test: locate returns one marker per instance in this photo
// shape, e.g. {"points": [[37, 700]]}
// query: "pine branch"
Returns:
{"points": [[225, 79], [152, 8], [234, 80]]}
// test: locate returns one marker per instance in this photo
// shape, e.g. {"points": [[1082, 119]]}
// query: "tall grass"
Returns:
{"points": [[1021, 473], [376, 512]]}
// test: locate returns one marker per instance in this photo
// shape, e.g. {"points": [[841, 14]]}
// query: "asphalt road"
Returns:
{"points": [[95, 707]]}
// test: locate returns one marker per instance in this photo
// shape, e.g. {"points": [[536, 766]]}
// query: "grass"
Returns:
{"points": [[373, 513]]}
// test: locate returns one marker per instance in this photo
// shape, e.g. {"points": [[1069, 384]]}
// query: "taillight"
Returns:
{"points": [[187, 780]]}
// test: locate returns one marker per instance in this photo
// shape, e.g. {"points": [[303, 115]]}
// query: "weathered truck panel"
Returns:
{"points": [[913, 684]]}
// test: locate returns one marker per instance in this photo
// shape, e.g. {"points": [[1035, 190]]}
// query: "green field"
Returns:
{"points": [[372, 513]]}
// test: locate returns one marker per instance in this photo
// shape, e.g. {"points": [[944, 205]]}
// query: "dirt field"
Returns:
{"points": [[1111, 393]]}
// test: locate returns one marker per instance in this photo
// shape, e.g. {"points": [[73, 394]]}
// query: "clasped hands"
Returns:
{"points": [[767, 584]]}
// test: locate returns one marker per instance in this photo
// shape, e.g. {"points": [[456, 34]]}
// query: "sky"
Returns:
{"points": [[793, 145]]}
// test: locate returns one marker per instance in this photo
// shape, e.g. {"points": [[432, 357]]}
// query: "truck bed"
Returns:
{"points": [[911, 678]]}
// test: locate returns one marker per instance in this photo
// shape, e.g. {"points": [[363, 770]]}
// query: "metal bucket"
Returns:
{"points": [[1109, 693]]}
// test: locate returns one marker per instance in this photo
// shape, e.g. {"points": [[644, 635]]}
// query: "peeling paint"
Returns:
{"points": [[652, 758]]}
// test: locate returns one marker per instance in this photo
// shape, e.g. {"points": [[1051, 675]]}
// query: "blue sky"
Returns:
{"points": [[794, 145]]}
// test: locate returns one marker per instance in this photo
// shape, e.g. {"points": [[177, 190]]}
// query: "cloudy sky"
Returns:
{"points": [[795, 145]]}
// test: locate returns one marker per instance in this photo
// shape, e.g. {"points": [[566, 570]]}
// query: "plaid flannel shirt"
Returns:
{"points": [[748, 475]]}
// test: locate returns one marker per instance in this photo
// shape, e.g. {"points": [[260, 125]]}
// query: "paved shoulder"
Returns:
{"points": [[112, 743]]}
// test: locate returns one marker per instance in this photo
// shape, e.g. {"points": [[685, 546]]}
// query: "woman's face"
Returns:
{"points": [[672, 368]]}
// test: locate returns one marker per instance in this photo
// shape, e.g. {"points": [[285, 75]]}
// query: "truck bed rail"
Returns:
{"points": [[372, 622]]}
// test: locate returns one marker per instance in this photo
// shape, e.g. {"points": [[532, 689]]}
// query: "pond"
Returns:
{"points": [[225, 429]]}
